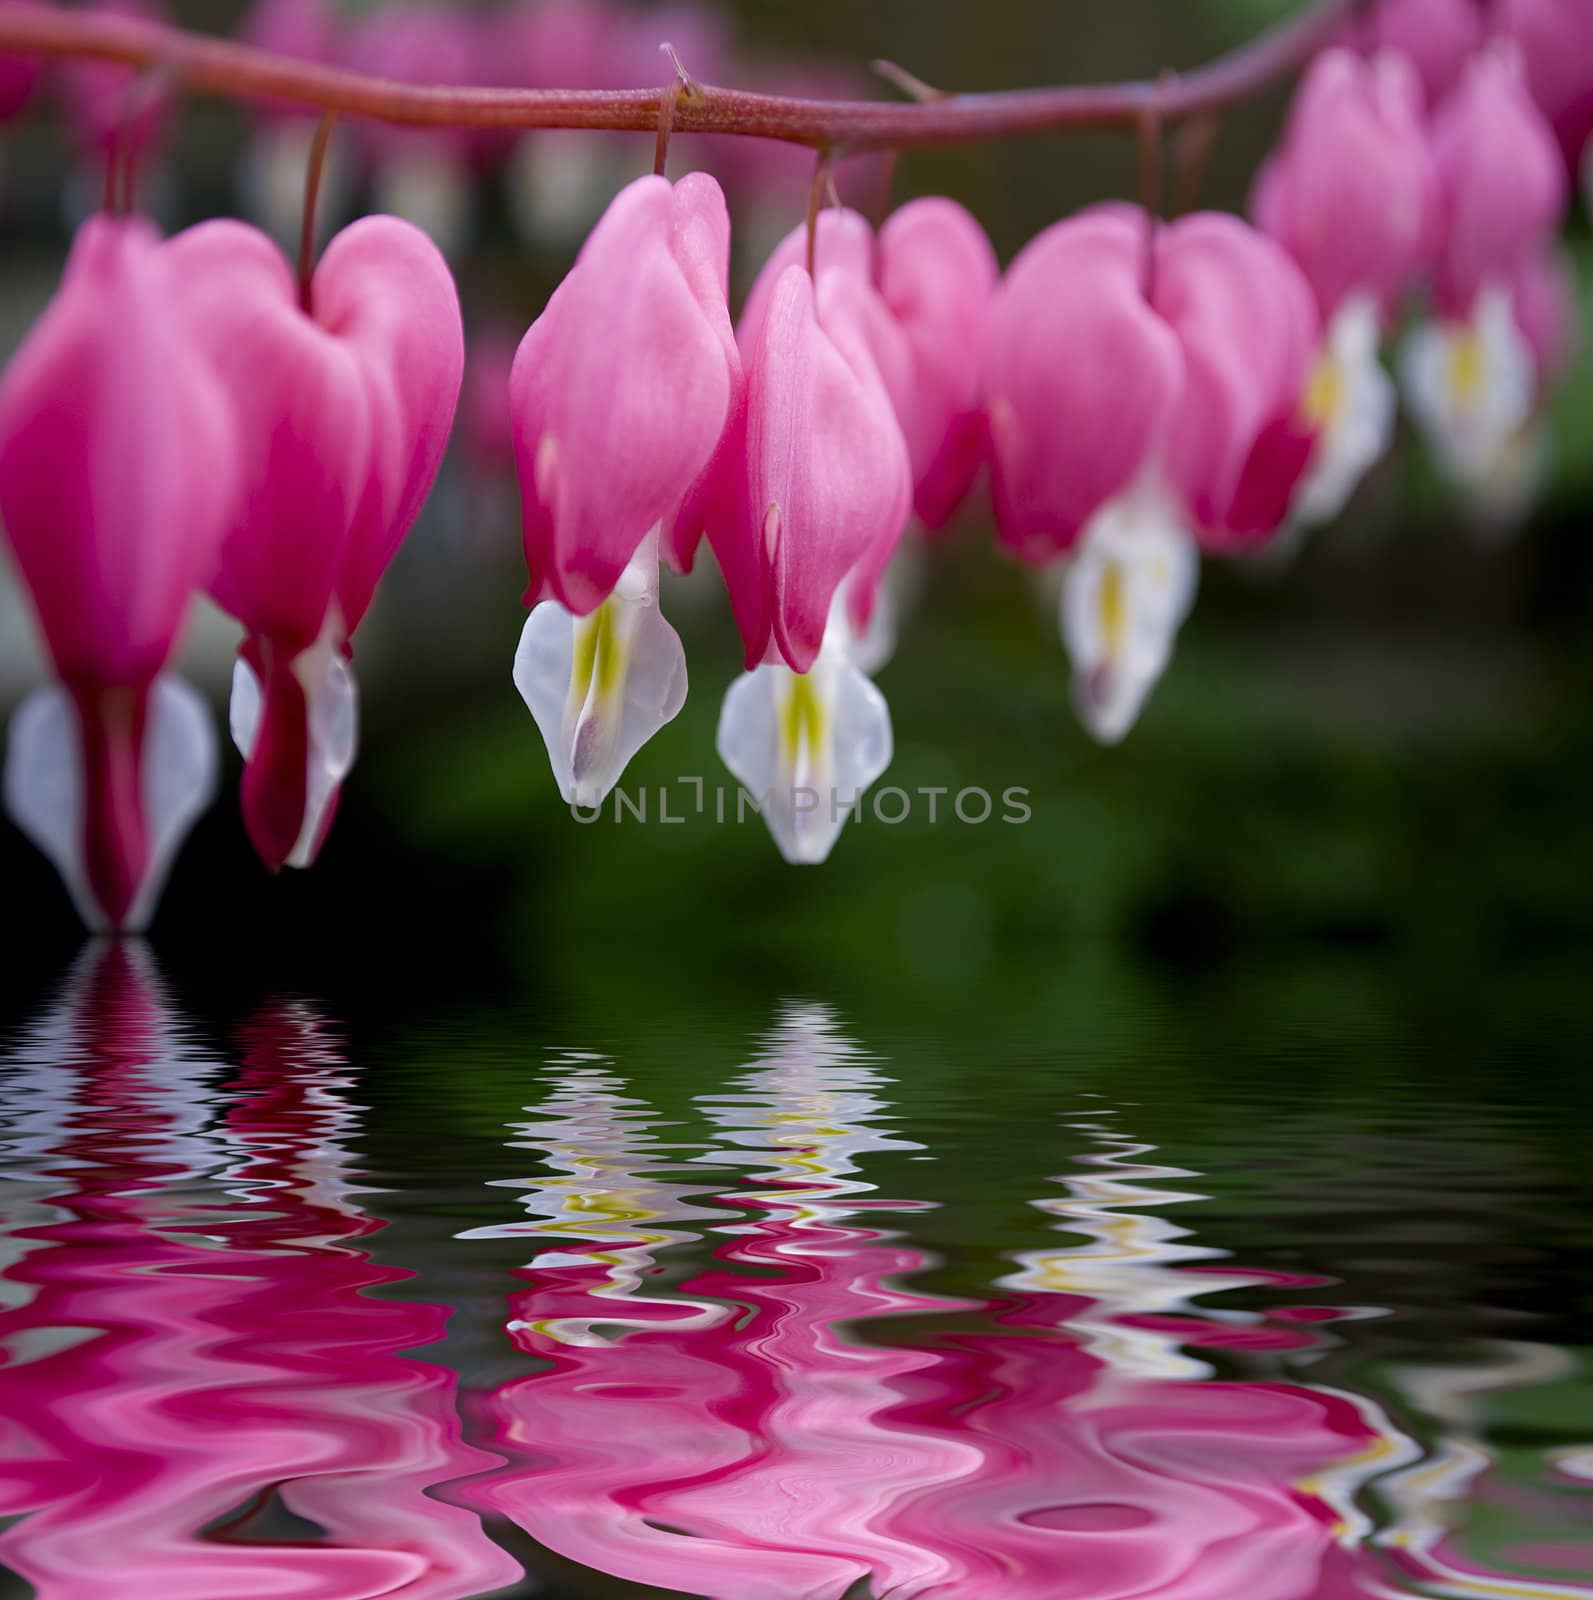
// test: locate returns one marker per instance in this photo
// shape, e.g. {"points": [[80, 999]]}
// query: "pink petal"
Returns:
{"points": [[828, 478], [622, 388], [938, 275], [1556, 40], [1081, 381], [104, 413], [1245, 319], [1501, 176], [384, 289], [300, 397], [843, 241], [1352, 192], [1438, 37]]}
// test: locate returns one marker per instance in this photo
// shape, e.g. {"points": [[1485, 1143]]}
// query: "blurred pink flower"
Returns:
{"points": [[112, 109], [1556, 42], [1502, 184], [1104, 364], [1351, 192], [103, 413], [1144, 389], [343, 411], [1437, 36]]}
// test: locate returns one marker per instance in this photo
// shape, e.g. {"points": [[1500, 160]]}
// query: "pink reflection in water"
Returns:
{"points": [[199, 1401], [768, 1432]]}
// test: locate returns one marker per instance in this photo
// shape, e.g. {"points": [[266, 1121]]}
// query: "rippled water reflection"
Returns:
{"points": [[812, 1330]]}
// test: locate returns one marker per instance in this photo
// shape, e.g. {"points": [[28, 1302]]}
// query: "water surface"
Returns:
{"points": [[777, 1302]]}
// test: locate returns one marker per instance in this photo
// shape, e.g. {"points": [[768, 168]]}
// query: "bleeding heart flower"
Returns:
{"points": [[932, 274], [1438, 37], [1479, 389], [1502, 185], [103, 414], [343, 413], [1556, 42], [938, 274], [1244, 316], [108, 110], [421, 174], [620, 396], [1352, 195], [1470, 374], [1143, 394], [809, 500], [807, 745]]}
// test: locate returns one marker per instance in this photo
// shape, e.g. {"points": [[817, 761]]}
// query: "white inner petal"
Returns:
{"points": [[43, 786], [601, 686], [1470, 387], [807, 746], [332, 704], [1351, 400], [1125, 594]]}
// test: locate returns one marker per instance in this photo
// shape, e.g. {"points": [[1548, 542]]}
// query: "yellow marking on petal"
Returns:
{"points": [[801, 722], [1468, 368], [599, 655], [1113, 604], [1323, 405]]}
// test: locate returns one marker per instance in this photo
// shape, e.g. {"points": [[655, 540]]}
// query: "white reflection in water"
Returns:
{"points": [[767, 1427]]}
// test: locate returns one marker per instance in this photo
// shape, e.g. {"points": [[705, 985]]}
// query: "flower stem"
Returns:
{"points": [[208, 65], [312, 196]]}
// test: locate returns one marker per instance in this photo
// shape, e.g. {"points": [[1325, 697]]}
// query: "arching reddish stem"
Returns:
{"points": [[208, 65]]}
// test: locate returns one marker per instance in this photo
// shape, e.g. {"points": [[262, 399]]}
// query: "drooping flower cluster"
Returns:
{"points": [[798, 444], [177, 421], [1144, 391], [1434, 164], [190, 417]]}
